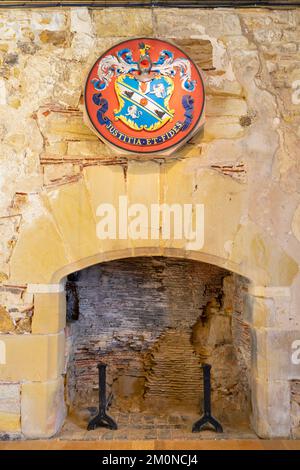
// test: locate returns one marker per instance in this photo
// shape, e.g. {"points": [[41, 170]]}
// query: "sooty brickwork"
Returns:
{"points": [[153, 320]]}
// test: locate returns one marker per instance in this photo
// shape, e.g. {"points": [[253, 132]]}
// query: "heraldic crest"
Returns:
{"points": [[145, 85]]}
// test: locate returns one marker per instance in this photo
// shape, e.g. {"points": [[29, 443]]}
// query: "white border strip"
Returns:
{"points": [[45, 288]]}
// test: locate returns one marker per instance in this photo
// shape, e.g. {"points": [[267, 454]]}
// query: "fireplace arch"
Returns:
{"points": [[59, 237], [153, 321]]}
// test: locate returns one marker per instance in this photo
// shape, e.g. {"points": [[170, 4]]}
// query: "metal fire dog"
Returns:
{"points": [[207, 418], [102, 420]]}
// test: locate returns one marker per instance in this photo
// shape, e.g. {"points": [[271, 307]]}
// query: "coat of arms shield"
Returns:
{"points": [[144, 96], [144, 105]]}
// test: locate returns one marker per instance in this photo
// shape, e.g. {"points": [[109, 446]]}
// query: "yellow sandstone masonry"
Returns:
{"points": [[270, 405], [33, 357], [68, 235], [121, 22], [105, 185], [60, 127], [227, 127], [42, 408], [260, 256], [72, 210], [9, 407], [143, 182], [224, 106], [6, 323], [274, 350], [226, 88], [258, 311], [184, 182], [10, 422], [87, 149], [49, 313], [38, 253], [56, 149]]}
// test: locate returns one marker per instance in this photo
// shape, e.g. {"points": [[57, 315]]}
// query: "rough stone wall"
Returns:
{"points": [[250, 60], [248, 153], [149, 319]]}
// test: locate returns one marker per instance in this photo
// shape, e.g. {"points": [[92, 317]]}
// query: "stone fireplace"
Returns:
{"points": [[153, 321], [152, 309]]}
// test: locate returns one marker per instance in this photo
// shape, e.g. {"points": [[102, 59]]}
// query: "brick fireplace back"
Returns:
{"points": [[154, 321]]}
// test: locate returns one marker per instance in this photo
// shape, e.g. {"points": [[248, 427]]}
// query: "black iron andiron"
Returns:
{"points": [[102, 420], [207, 418]]}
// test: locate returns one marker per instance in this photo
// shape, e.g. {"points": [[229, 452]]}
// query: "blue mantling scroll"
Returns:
{"points": [[188, 104], [103, 103]]}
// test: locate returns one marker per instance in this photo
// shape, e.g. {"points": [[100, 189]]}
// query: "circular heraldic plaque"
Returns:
{"points": [[144, 96]]}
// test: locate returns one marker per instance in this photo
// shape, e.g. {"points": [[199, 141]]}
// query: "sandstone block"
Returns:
{"points": [[42, 408], [277, 353], [121, 22], [10, 398], [39, 252], [10, 422], [172, 23], [261, 256], [50, 20], [222, 106], [55, 38], [58, 173], [49, 313], [225, 127], [271, 408], [106, 184], [87, 149], [55, 149], [224, 87], [259, 312], [269, 312], [6, 323], [145, 191], [32, 357], [218, 194], [65, 126], [199, 50], [72, 210], [9, 407]]}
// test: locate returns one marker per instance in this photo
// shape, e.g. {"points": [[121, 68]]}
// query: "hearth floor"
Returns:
{"points": [[144, 426]]}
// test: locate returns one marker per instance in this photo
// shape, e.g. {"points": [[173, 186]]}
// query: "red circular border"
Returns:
{"points": [[175, 102]]}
